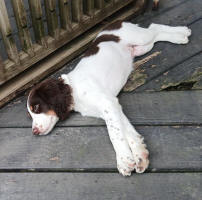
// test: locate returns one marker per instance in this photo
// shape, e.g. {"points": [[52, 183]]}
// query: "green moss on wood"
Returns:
{"points": [[136, 79]]}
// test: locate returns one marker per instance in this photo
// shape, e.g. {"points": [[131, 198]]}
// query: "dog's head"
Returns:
{"points": [[47, 103]]}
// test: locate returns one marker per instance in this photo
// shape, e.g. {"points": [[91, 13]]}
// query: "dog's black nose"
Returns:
{"points": [[35, 131]]}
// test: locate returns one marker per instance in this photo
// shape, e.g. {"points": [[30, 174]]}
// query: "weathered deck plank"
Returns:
{"points": [[99, 186], [185, 76], [171, 148], [163, 108]]}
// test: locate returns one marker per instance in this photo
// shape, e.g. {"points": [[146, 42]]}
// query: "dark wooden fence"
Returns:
{"points": [[65, 20]]}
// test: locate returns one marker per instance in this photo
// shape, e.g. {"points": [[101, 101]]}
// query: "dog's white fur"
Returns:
{"points": [[97, 80]]}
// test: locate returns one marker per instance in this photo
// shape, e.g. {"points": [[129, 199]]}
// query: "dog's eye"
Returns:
{"points": [[36, 108]]}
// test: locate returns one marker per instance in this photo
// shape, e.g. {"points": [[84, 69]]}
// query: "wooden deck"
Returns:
{"points": [[76, 161]]}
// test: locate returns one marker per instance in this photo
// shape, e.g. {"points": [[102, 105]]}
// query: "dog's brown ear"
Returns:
{"points": [[58, 97], [36, 108], [53, 95]]}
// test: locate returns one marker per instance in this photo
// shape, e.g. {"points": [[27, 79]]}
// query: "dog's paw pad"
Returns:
{"points": [[140, 153], [142, 163], [125, 165]]}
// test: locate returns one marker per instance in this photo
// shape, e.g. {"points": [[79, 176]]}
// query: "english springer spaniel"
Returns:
{"points": [[92, 88]]}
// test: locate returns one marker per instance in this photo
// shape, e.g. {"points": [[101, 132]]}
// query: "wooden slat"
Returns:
{"points": [[2, 70], [99, 186], [90, 5], [77, 10], [21, 20], [171, 148], [64, 10], [52, 19], [6, 32], [37, 21], [108, 1], [99, 4], [163, 108]]}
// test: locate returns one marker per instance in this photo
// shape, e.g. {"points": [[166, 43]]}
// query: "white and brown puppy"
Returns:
{"points": [[92, 88]]}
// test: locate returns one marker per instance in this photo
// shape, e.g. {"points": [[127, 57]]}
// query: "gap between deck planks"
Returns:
{"points": [[99, 186], [149, 108]]}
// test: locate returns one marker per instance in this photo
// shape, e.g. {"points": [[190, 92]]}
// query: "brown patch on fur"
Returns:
{"points": [[51, 96], [114, 26], [93, 48]]}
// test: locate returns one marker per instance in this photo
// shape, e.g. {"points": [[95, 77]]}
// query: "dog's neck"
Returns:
{"points": [[66, 81]]}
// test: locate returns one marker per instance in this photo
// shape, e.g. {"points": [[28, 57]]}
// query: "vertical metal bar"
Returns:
{"points": [[37, 21], [6, 32], [65, 18], [21, 20], [77, 10], [52, 20]]}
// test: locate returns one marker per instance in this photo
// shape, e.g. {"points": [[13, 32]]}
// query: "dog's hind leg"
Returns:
{"points": [[171, 29], [156, 32]]}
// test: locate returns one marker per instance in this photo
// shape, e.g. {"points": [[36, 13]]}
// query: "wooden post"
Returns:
{"points": [[90, 5], [64, 10], [6, 32], [52, 20], [99, 4], [37, 21], [21, 20], [2, 71], [77, 10], [107, 1]]}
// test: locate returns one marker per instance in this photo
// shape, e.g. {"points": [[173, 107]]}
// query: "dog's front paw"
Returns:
{"points": [[125, 165], [141, 158], [140, 153]]}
